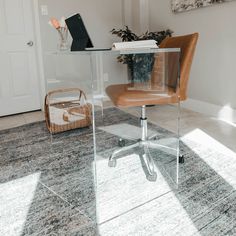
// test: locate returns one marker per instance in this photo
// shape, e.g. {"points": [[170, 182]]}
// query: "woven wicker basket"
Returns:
{"points": [[62, 115]]}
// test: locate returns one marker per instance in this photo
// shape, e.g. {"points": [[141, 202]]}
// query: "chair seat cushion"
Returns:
{"points": [[122, 96]]}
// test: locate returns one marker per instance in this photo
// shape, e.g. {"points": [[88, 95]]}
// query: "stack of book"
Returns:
{"points": [[142, 44]]}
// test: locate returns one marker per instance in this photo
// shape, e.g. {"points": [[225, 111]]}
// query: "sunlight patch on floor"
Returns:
{"points": [[15, 200], [128, 204], [124, 187], [162, 216], [227, 114], [200, 137], [223, 162], [231, 123]]}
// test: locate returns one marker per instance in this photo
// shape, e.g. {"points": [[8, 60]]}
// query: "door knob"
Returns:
{"points": [[30, 43]]}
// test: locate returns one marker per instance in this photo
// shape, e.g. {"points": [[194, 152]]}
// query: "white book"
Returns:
{"points": [[134, 45]]}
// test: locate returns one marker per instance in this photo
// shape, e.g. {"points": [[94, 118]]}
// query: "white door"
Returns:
{"points": [[19, 87]]}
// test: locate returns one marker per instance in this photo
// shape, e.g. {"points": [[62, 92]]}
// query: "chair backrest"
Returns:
{"points": [[187, 44]]}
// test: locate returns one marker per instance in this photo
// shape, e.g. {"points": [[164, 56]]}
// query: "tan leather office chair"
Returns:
{"points": [[121, 96]]}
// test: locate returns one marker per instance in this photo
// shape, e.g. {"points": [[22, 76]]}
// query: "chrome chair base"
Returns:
{"points": [[144, 144]]}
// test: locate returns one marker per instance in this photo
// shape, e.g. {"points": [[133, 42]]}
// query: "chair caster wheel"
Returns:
{"points": [[112, 163], [152, 178], [121, 142], [181, 159]]}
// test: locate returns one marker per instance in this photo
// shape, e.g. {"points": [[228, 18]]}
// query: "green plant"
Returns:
{"points": [[127, 35], [139, 65]]}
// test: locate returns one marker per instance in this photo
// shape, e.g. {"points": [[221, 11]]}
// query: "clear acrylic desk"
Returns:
{"points": [[118, 195]]}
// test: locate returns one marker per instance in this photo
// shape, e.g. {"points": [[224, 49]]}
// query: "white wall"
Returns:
{"points": [[137, 12], [213, 75], [135, 16]]}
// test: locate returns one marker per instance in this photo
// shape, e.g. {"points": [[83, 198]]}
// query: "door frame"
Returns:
{"points": [[39, 53]]}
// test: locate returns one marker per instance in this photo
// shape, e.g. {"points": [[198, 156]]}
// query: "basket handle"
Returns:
{"points": [[46, 111], [81, 93]]}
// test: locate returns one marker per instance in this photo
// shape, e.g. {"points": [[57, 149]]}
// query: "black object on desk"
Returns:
{"points": [[81, 39]]}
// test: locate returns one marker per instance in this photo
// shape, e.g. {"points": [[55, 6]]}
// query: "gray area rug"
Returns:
{"points": [[47, 184]]}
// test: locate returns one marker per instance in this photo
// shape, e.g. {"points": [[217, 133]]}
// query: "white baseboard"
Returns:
{"points": [[225, 113]]}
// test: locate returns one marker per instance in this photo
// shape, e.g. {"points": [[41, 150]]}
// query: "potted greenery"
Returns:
{"points": [[139, 65]]}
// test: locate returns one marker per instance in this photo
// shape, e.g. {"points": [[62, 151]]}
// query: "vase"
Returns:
{"points": [[63, 39]]}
